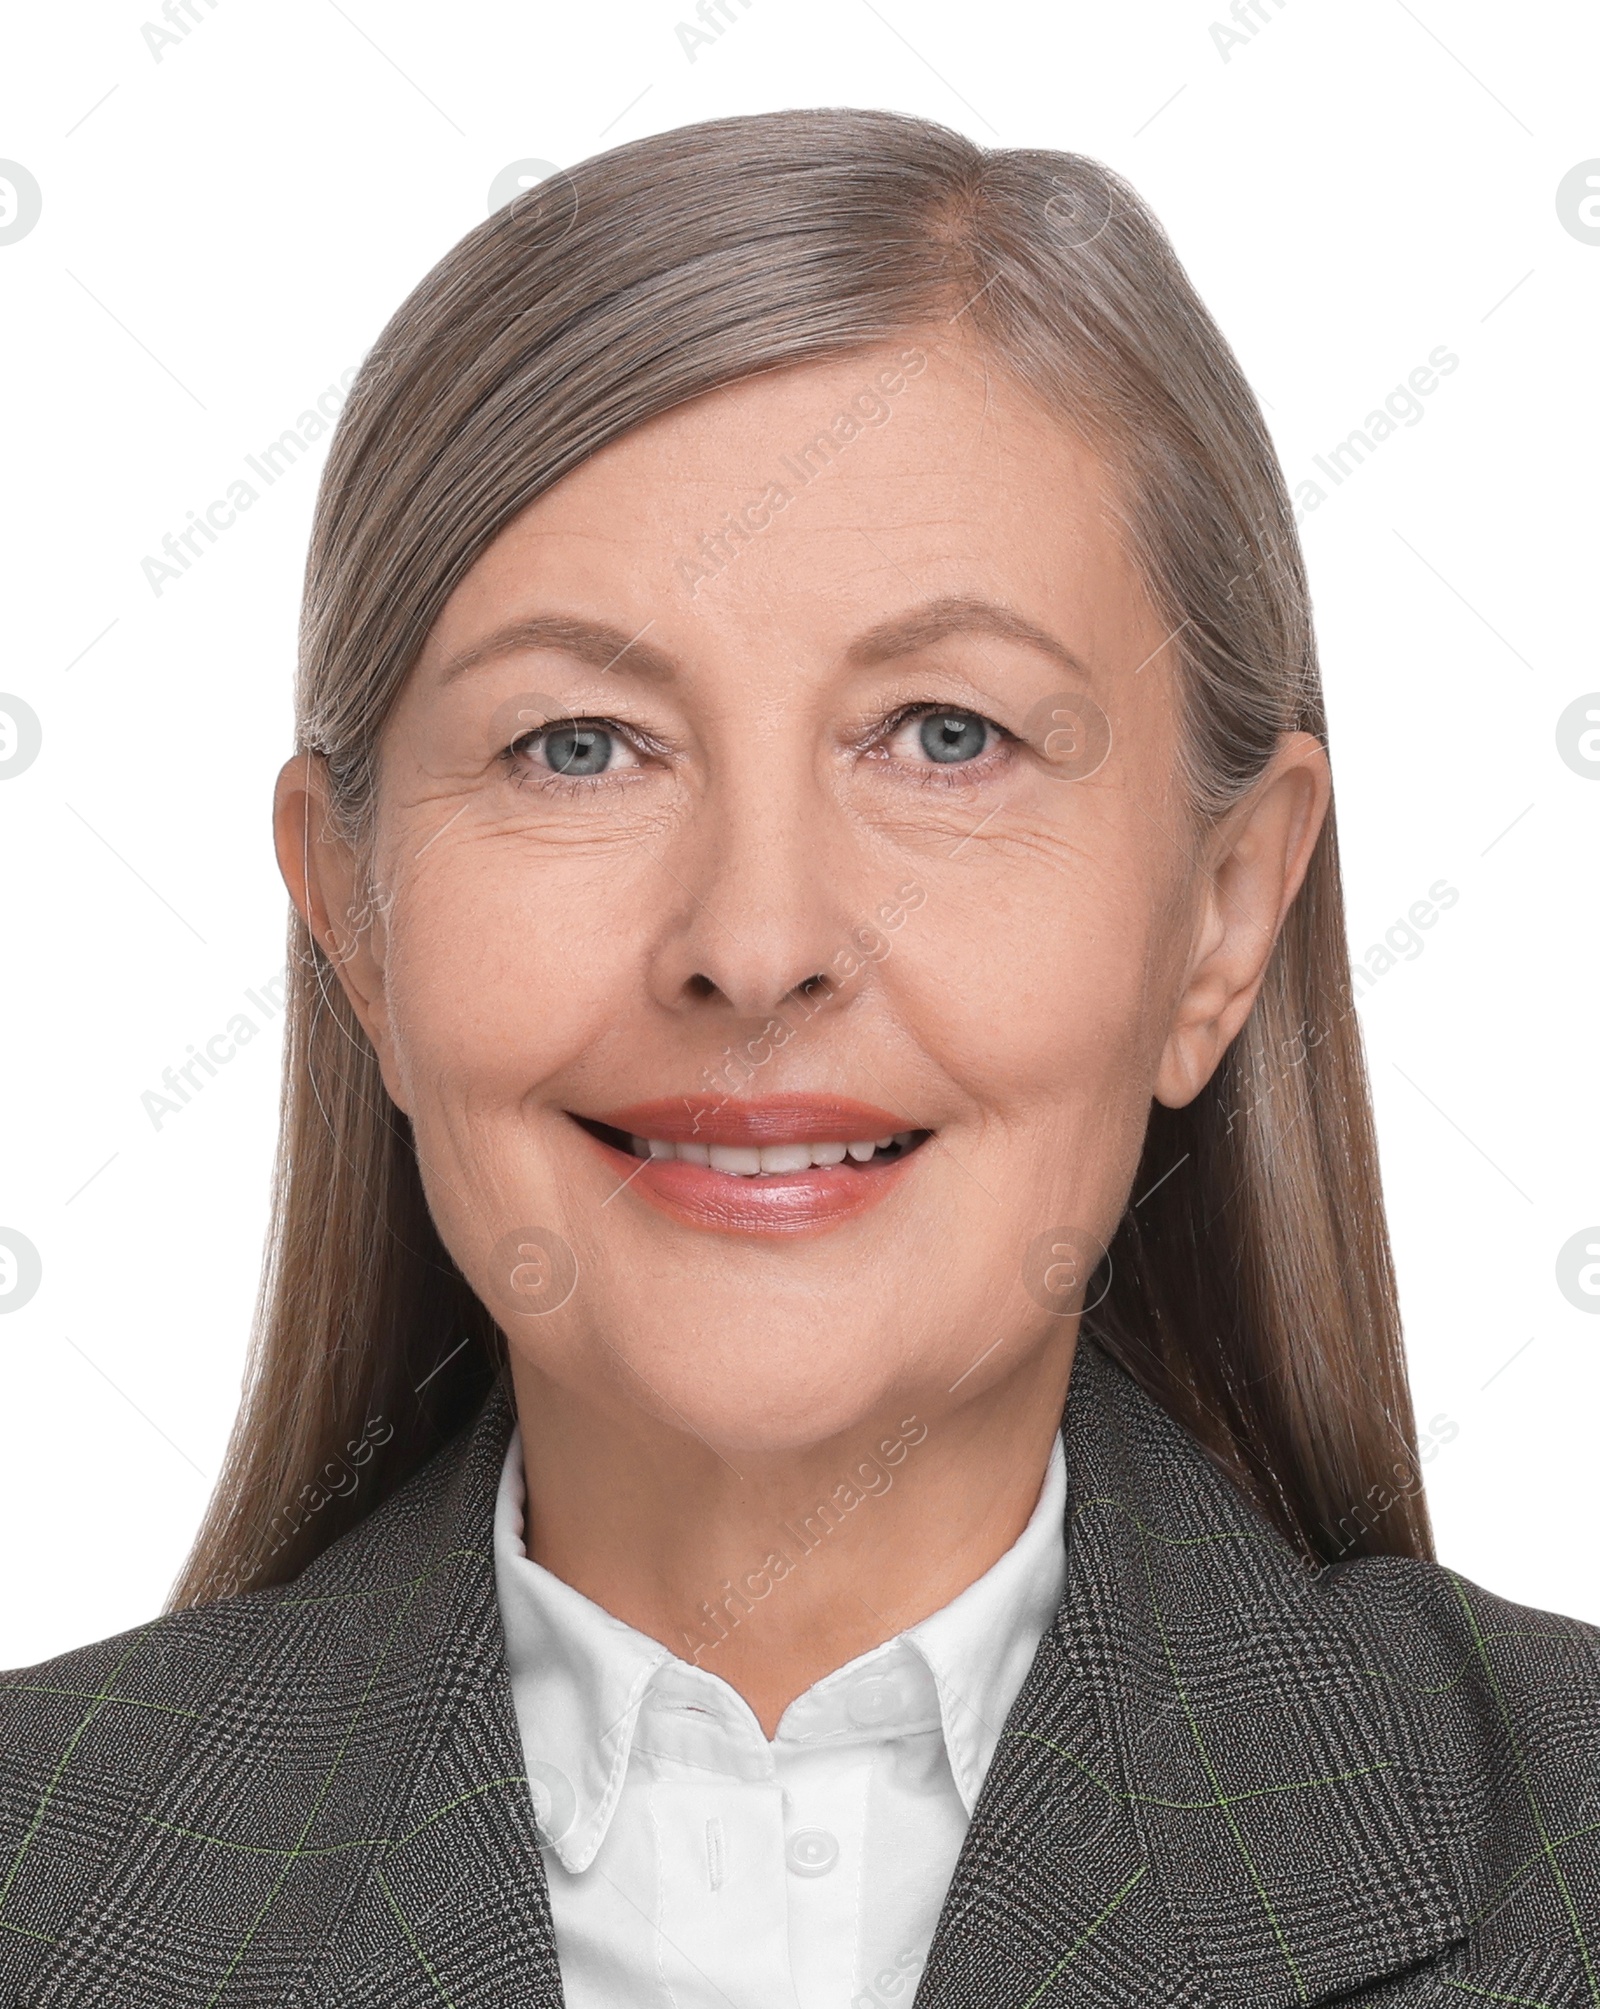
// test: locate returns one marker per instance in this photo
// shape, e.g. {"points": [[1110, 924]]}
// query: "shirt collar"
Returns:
{"points": [[579, 1676], [980, 1645]]}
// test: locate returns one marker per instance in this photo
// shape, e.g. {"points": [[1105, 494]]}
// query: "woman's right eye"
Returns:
{"points": [[574, 749]]}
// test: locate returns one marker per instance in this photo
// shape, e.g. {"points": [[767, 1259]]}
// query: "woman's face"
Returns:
{"points": [[799, 773]]}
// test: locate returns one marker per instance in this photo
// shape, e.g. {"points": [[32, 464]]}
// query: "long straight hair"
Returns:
{"points": [[1251, 1291]]}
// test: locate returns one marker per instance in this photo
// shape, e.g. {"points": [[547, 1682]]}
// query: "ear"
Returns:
{"points": [[329, 888], [1251, 872]]}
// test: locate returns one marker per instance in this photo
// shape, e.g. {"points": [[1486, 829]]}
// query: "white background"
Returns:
{"points": [[223, 233]]}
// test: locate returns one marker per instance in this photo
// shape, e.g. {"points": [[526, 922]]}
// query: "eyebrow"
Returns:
{"points": [[957, 614], [596, 643], [603, 646]]}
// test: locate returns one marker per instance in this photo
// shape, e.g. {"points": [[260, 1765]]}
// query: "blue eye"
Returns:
{"points": [[577, 749], [574, 750], [950, 737]]}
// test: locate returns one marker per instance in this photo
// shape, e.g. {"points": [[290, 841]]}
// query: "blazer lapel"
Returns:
{"points": [[454, 1909], [1206, 1790]]}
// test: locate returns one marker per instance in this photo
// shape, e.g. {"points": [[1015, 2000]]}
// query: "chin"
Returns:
{"points": [[743, 1384]]}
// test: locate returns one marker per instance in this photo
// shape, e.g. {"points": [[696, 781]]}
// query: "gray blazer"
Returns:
{"points": [[1225, 1781]]}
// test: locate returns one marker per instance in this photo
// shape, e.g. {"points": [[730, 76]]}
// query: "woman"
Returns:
{"points": [[817, 921]]}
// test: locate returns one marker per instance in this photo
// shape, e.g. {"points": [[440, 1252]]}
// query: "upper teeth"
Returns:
{"points": [[749, 1159]]}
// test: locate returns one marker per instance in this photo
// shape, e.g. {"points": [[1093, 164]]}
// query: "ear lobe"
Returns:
{"points": [[1256, 865], [324, 877]]}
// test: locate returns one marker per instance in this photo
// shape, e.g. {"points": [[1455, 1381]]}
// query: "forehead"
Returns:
{"points": [[810, 499]]}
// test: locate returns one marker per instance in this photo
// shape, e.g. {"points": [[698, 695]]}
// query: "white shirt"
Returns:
{"points": [[692, 1863]]}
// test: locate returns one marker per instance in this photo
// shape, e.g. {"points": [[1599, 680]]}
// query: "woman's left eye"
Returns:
{"points": [[951, 738]]}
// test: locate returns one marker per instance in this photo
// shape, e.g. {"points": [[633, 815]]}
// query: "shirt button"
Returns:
{"points": [[812, 1852], [874, 1699], [555, 1804]]}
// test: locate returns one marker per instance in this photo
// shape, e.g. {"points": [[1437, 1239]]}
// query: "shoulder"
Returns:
{"points": [[114, 1748], [1439, 1634], [1498, 1706], [148, 1682], [89, 1741], [107, 1718]]}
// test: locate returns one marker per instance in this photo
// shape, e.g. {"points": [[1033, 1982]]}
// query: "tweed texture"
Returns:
{"points": [[1225, 1781]]}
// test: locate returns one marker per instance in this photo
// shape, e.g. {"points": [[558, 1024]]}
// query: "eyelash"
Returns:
{"points": [[957, 774]]}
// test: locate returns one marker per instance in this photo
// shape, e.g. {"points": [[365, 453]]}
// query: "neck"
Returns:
{"points": [[771, 1569]]}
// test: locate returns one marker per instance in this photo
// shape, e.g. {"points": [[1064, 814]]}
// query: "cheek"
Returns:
{"points": [[1045, 981], [500, 968]]}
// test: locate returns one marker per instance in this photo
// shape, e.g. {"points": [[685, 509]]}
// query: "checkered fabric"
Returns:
{"points": [[1226, 1781]]}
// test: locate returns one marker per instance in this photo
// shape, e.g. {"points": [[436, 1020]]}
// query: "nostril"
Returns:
{"points": [[700, 986]]}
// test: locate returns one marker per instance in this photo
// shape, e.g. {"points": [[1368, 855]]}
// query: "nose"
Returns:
{"points": [[757, 898]]}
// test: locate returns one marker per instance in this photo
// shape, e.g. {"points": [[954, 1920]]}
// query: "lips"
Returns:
{"points": [[781, 1165]]}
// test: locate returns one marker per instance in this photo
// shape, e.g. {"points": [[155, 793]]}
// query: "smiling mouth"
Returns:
{"points": [[767, 1160], [790, 1164]]}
